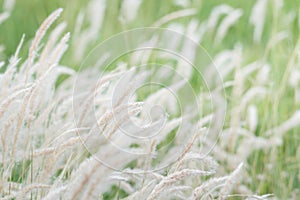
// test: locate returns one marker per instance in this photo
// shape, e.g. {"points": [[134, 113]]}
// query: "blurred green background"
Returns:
{"points": [[27, 15]]}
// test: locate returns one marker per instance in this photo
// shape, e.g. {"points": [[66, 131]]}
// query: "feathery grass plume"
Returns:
{"points": [[183, 3], [4, 16], [295, 82], [252, 118], [44, 57], [226, 23], [252, 93], [292, 122], [8, 5], [216, 14], [210, 187], [85, 37], [263, 74], [257, 19], [206, 188], [129, 10], [231, 181], [39, 35], [175, 15], [176, 176], [225, 63]]}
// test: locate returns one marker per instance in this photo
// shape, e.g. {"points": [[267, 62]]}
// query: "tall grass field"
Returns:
{"points": [[149, 100]]}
